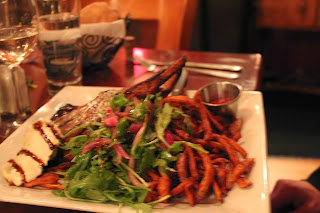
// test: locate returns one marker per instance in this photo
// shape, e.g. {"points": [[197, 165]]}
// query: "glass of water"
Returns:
{"points": [[60, 42], [18, 38]]}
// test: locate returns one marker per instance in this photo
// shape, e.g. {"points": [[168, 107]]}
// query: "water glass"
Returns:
{"points": [[60, 42]]}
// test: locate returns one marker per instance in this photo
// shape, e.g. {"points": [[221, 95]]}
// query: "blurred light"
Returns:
{"points": [[138, 53]]}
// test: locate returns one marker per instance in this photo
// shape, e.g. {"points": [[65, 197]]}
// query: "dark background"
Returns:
{"points": [[290, 78]]}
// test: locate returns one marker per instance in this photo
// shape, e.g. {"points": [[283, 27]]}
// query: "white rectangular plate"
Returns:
{"points": [[254, 199]]}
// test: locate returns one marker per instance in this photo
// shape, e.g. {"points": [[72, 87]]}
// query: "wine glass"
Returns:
{"points": [[18, 38]]}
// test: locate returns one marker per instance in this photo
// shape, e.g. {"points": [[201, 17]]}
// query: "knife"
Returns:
{"points": [[233, 68], [215, 73]]}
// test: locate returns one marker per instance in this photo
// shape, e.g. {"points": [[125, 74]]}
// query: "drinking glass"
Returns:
{"points": [[18, 38], [60, 42]]}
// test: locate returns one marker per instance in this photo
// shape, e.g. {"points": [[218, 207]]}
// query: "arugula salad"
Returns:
{"points": [[111, 159]]}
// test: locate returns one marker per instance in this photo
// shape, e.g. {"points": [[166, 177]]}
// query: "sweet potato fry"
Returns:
{"points": [[235, 146], [235, 126], [61, 167], [151, 196], [177, 138], [154, 176], [229, 179], [192, 163], [214, 121], [214, 144], [241, 168], [163, 186], [243, 182], [219, 161], [182, 167], [237, 136], [232, 154], [207, 176], [200, 141], [217, 191], [179, 188], [52, 186], [204, 118], [222, 177], [182, 134], [181, 99], [47, 178], [189, 194]]}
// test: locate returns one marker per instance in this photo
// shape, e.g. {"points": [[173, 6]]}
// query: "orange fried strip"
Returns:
{"points": [[219, 161], [200, 141], [217, 191], [241, 168], [222, 177], [47, 178], [153, 175], [214, 144], [237, 136], [192, 163], [182, 134], [213, 120], [182, 167], [229, 181], [181, 99], [61, 166], [235, 126], [207, 176], [177, 138], [236, 146], [232, 154], [189, 194], [179, 189], [243, 182], [203, 115], [163, 187], [151, 196], [52, 186]]}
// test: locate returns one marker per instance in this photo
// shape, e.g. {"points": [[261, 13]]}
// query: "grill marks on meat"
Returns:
{"points": [[70, 116], [66, 121]]}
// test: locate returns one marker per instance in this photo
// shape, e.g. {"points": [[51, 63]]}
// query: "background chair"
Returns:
{"points": [[173, 20]]}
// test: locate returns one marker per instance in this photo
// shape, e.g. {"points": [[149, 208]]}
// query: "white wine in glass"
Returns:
{"points": [[18, 38]]}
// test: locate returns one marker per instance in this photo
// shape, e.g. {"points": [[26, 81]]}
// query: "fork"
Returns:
{"points": [[216, 73]]}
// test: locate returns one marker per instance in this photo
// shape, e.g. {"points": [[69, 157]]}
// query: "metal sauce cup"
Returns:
{"points": [[221, 97]]}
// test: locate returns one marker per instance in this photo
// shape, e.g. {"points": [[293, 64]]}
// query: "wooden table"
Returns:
{"points": [[121, 73]]}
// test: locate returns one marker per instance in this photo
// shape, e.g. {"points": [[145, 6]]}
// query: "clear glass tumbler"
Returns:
{"points": [[60, 42]]}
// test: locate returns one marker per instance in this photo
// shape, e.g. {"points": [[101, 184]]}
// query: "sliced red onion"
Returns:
{"points": [[119, 156], [135, 127], [120, 153], [111, 121], [136, 101], [138, 135], [131, 176], [168, 136], [110, 112], [95, 143]]}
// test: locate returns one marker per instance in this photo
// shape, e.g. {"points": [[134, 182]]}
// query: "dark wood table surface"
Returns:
{"points": [[120, 73]]}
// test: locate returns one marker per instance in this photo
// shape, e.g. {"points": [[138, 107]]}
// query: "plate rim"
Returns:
{"points": [[71, 205]]}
